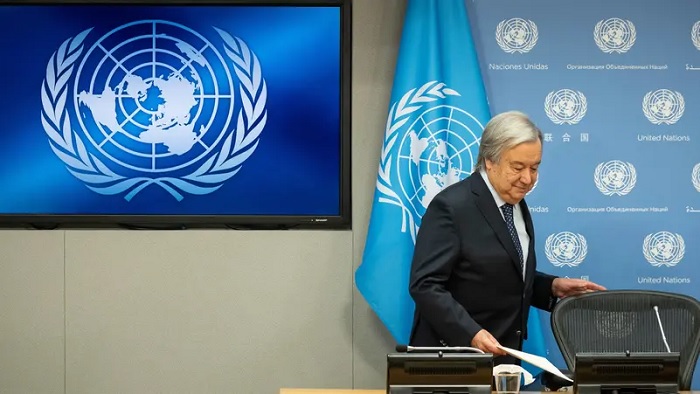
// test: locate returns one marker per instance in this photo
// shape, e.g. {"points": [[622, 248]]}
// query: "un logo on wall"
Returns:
{"points": [[565, 106], [516, 35], [533, 186], [614, 35], [427, 147], [696, 177], [695, 34], [663, 106], [153, 103], [663, 248], [565, 249], [615, 177]]}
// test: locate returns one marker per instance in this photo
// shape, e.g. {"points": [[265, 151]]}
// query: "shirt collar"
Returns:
{"points": [[496, 196]]}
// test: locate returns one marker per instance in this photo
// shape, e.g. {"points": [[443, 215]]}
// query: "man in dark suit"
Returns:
{"points": [[473, 275]]}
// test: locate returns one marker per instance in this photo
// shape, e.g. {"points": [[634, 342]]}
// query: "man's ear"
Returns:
{"points": [[488, 164]]}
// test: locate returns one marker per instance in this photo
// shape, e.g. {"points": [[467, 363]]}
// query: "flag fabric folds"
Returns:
{"points": [[437, 112], [535, 342], [436, 115]]}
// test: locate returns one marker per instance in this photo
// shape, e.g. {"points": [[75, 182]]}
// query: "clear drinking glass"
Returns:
{"points": [[507, 382]]}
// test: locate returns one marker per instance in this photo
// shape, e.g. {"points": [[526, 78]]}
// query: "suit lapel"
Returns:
{"points": [[487, 206], [531, 232], [528, 219]]}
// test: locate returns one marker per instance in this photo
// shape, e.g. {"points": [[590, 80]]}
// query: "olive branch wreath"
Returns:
{"points": [[501, 41], [696, 177], [602, 169], [554, 116], [238, 145], [651, 99], [695, 34], [600, 42], [551, 246], [649, 255], [399, 114]]}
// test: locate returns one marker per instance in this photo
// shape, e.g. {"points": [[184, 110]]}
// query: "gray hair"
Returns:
{"points": [[503, 132]]}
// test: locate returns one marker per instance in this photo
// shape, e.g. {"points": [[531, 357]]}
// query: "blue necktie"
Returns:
{"points": [[508, 215]]}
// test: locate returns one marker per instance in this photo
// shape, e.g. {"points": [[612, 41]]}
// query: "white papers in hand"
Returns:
{"points": [[537, 361]]}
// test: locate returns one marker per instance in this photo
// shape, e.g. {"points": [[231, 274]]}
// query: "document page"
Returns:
{"points": [[537, 361]]}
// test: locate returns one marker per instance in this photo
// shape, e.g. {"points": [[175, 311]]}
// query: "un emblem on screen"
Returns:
{"points": [[428, 146], [615, 177], [153, 103], [663, 106], [565, 249], [663, 248], [565, 106], [516, 35], [614, 35]]}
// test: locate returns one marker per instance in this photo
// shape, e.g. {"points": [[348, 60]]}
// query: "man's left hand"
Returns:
{"points": [[565, 287]]}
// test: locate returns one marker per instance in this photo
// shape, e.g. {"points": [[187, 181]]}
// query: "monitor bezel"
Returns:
{"points": [[343, 220]]}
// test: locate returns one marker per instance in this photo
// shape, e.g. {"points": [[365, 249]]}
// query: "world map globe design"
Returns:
{"points": [[566, 248], [439, 149], [566, 105], [154, 96], [616, 33], [616, 176], [665, 106], [664, 248], [518, 33]]}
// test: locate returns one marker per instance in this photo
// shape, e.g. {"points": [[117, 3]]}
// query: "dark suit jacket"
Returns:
{"points": [[466, 273]]}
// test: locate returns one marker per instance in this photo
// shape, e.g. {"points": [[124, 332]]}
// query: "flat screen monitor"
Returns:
{"points": [[628, 372], [175, 112], [438, 372]]}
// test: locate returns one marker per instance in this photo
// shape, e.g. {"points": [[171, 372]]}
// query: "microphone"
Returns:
{"points": [[661, 327], [428, 349]]}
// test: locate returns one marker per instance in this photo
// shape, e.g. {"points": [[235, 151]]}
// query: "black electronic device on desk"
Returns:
{"points": [[628, 372], [444, 370]]}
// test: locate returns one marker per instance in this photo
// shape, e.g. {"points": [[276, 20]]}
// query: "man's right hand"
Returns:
{"points": [[486, 342]]}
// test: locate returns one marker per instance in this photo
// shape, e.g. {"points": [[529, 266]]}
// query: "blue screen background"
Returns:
{"points": [[295, 169]]}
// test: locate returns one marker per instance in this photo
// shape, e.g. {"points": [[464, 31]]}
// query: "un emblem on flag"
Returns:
{"points": [[565, 249], [427, 147], [153, 102], [663, 248]]}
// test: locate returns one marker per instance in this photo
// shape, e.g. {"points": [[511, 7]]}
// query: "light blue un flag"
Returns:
{"points": [[436, 116]]}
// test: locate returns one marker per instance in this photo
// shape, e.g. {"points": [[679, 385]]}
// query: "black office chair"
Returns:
{"points": [[621, 320]]}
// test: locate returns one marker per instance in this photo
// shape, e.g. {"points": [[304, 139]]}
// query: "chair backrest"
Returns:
{"points": [[621, 320]]}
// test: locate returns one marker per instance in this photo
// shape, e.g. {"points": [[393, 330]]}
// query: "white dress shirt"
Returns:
{"points": [[517, 218]]}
